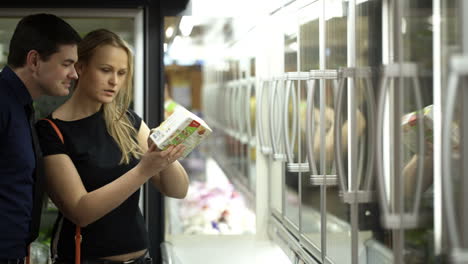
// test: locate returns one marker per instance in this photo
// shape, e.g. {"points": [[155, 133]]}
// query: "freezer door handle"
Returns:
{"points": [[286, 139], [275, 129], [310, 129], [459, 67], [266, 150], [413, 218], [358, 190]]}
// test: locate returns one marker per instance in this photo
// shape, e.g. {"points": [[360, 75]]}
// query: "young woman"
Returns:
{"points": [[95, 175]]}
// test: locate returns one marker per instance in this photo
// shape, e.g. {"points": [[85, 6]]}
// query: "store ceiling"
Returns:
{"points": [[174, 22]]}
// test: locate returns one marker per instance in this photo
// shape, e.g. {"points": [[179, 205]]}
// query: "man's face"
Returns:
{"points": [[55, 75]]}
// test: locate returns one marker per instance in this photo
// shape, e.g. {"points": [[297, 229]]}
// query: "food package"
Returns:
{"points": [[410, 124], [181, 127], [410, 130]]}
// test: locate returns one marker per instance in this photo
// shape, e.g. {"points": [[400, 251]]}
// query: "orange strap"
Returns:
{"points": [[57, 130], [78, 239], [78, 236], [29, 254]]}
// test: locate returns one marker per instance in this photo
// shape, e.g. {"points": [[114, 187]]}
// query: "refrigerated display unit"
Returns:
{"points": [[348, 113]]}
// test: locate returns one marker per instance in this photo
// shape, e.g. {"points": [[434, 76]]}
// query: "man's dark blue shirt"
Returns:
{"points": [[17, 166]]}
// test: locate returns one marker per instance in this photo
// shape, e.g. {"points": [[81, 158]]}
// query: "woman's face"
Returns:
{"points": [[105, 74]]}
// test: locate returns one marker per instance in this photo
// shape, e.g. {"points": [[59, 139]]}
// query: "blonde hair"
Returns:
{"points": [[115, 114]]}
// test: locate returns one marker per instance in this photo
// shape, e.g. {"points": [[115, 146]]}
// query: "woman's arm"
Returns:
{"points": [[173, 180], [67, 191]]}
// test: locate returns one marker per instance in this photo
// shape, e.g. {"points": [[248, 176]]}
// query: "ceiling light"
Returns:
{"points": [[169, 32], [186, 25]]}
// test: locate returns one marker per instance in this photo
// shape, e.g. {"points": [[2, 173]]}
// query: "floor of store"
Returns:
{"points": [[213, 224]]}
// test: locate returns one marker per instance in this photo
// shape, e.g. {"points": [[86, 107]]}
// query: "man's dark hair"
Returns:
{"points": [[44, 33]]}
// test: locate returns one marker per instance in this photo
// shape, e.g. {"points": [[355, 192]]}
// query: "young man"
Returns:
{"points": [[43, 51]]}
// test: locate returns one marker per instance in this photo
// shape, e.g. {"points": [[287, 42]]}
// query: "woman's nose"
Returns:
{"points": [[113, 79]]}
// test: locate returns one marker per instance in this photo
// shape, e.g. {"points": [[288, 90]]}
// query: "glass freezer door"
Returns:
{"points": [[309, 59], [405, 163], [337, 223]]}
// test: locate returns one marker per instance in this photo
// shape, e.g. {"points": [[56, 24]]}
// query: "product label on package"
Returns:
{"points": [[184, 134], [181, 127]]}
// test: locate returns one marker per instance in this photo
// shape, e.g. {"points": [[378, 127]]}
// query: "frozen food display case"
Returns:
{"points": [[345, 128]]}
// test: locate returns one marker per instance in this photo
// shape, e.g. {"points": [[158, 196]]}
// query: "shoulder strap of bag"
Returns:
{"points": [[78, 237]]}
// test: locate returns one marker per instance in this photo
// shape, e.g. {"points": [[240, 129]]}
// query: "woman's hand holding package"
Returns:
{"points": [[155, 160], [169, 177]]}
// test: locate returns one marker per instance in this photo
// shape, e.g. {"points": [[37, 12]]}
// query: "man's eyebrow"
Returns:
{"points": [[70, 60]]}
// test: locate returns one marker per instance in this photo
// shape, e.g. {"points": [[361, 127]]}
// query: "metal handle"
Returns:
{"points": [[362, 193], [208, 95], [235, 110], [250, 136], [405, 220], [227, 115], [234, 119], [271, 116], [371, 135], [259, 127], [421, 147], [287, 141], [218, 115], [275, 141], [222, 115], [261, 136], [221, 104], [329, 180], [338, 148], [364, 73], [310, 119], [379, 145], [241, 112], [448, 190], [231, 100]]}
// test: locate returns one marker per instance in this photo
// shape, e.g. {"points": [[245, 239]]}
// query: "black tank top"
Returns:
{"points": [[96, 156]]}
